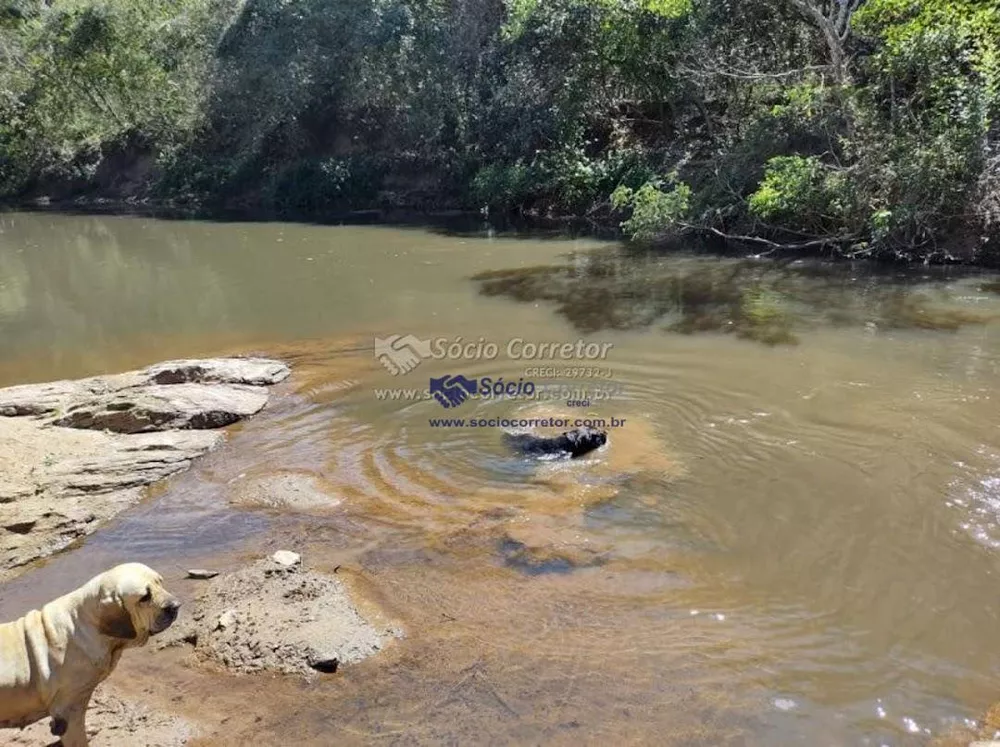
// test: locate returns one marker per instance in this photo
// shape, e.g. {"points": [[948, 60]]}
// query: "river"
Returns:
{"points": [[795, 537]]}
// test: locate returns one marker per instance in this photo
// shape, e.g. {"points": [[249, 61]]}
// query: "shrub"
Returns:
{"points": [[654, 211]]}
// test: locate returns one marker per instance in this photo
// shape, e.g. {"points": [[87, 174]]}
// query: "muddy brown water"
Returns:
{"points": [[795, 538]]}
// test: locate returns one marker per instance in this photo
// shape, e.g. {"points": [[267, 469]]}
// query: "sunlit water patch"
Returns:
{"points": [[975, 499]]}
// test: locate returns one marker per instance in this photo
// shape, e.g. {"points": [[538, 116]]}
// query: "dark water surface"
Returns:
{"points": [[795, 538]]}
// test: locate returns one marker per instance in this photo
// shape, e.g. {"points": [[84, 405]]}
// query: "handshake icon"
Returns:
{"points": [[399, 354], [451, 391]]}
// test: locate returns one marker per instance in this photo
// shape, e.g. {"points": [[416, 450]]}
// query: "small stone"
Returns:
{"points": [[201, 574], [226, 620], [784, 704], [286, 558], [326, 666]]}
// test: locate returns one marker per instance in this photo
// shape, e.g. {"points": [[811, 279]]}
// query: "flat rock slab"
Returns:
{"points": [[275, 618], [56, 396], [251, 371], [157, 408], [75, 453]]}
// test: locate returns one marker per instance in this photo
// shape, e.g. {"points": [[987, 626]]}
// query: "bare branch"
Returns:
{"points": [[834, 24], [774, 245], [708, 71]]}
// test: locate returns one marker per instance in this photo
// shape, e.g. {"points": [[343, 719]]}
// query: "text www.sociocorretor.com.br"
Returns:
{"points": [[526, 422]]}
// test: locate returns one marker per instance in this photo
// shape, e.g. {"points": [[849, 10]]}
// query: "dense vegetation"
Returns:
{"points": [[865, 127]]}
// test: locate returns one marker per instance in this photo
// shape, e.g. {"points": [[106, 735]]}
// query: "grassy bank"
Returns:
{"points": [[861, 128]]}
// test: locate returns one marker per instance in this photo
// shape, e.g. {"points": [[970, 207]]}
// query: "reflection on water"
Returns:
{"points": [[762, 301], [786, 544]]}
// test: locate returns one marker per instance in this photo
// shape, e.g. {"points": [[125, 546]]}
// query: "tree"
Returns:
{"points": [[833, 19]]}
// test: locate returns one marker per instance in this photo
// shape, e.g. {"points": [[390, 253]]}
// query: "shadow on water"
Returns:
{"points": [[451, 223], [769, 302]]}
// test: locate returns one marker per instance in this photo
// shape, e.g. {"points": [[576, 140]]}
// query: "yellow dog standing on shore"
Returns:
{"points": [[52, 659]]}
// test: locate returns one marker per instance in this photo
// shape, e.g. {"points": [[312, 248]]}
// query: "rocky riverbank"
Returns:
{"points": [[73, 454]]}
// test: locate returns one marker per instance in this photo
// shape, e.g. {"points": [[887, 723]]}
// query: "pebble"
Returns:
{"points": [[286, 558], [226, 620], [201, 574]]}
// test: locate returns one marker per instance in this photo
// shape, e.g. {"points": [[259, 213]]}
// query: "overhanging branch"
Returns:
{"points": [[773, 246]]}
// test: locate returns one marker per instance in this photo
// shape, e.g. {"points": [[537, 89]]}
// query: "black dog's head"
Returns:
{"points": [[583, 440]]}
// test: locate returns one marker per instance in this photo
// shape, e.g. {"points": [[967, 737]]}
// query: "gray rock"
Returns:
{"points": [[200, 574], [252, 371], [128, 462], [56, 396], [53, 398], [159, 408]]}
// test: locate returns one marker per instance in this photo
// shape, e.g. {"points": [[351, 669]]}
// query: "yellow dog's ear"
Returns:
{"points": [[114, 620]]}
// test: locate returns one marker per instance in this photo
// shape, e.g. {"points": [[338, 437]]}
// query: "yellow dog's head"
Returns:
{"points": [[132, 604]]}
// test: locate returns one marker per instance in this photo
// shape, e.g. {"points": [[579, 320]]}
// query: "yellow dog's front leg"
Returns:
{"points": [[69, 722]]}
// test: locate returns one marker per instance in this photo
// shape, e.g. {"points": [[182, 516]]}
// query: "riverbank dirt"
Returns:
{"points": [[117, 721], [277, 616], [75, 453]]}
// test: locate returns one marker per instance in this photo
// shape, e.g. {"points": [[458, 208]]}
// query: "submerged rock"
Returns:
{"points": [[297, 491], [75, 453], [545, 545]]}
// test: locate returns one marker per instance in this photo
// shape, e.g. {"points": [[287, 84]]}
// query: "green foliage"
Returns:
{"points": [[801, 192], [932, 90], [564, 180], [739, 116], [84, 74], [654, 211], [791, 184], [505, 186]]}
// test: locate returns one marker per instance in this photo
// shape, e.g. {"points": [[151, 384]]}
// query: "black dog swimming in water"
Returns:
{"points": [[573, 443]]}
